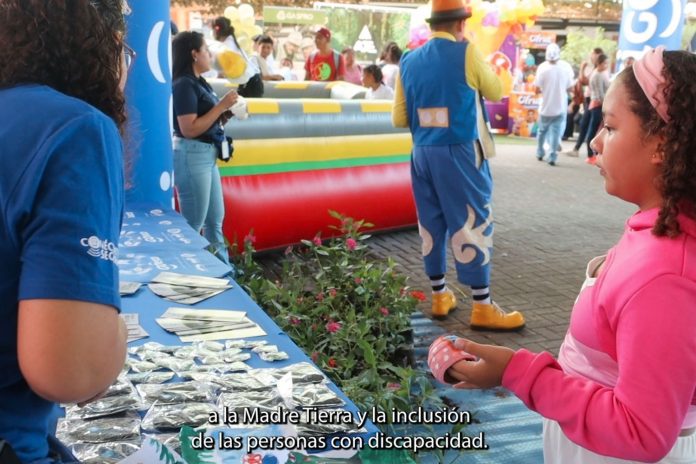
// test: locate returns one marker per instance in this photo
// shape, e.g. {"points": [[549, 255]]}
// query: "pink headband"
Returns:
{"points": [[648, 72]]}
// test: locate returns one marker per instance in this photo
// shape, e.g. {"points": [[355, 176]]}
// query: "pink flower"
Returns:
{"points": [[294, 320], [384, 311], [333, 327], [358, 280], [316, 240], [320, 296], [393, 386], [332, 362], [288, 250], [315, 356], [351, 244], [332, 292], [420, 296], [249, 238]]}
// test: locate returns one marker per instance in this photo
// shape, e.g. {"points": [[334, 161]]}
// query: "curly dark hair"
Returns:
{"points": [[72, 46], [677, 178]]}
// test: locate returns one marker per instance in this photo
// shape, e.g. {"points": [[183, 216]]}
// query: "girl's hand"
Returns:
{"points": [[487, 371]]}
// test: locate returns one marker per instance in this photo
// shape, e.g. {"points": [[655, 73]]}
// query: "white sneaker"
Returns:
{"points": [[572, 153]]}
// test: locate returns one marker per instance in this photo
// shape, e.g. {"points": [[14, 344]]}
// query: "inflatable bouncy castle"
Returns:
{"points": [[297, 158]]}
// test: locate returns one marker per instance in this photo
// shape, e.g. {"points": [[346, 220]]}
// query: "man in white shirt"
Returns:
{"points": [[554, 78]]}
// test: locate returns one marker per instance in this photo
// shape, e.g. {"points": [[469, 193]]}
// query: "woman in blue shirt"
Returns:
{"points": [[199, 117], [63, 71]]}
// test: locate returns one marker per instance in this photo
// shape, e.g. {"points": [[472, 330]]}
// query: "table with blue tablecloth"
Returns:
{"points": [[155, 240]]}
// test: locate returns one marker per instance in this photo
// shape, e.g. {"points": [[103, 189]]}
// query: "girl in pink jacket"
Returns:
{"points": [[622, 389]]}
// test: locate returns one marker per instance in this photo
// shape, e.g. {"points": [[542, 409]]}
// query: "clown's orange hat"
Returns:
{"points": [[448, 10]]}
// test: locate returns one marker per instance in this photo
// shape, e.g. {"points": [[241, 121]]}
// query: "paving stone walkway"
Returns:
{"points": [[549, 222]]}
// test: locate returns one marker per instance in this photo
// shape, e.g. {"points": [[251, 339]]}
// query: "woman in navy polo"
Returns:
{"points": [[63, 71], [199, 117]]}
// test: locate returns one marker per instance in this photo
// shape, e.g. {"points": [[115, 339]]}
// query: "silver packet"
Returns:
{"points": [[171, 417], [265, 349], [101, 430], [236, 357], [274, 356], [316, 396], [135, 365], [177, 392], [122, 386], [151, 377], [104, 453], [302, 373], [104, 407], [264, 400]]}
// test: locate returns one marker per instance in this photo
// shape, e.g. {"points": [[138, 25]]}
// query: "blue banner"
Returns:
{"points": [[649, 23], [148, 94]]}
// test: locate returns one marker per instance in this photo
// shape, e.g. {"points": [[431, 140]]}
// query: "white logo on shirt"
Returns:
{"points": [[99, 248]]}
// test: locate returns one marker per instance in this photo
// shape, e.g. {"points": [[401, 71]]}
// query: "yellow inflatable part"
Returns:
{"points": [[232, 64]]}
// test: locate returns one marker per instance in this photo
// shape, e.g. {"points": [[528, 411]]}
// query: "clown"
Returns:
{"points": [[437, 95]]}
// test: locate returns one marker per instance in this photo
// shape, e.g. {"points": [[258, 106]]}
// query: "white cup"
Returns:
{"points": [[239, 109]]}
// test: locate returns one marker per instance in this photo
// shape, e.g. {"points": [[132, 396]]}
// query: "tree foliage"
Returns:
{"points": [[579, 45]]}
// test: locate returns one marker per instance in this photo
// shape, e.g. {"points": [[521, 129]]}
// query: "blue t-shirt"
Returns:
{"points": [[61, 204], [195, 96]]}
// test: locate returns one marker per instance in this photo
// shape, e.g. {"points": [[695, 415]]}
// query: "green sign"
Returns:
{"points": [[275, 14]]}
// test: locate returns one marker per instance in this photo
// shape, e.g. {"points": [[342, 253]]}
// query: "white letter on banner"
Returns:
{"points": [[674, 22]]}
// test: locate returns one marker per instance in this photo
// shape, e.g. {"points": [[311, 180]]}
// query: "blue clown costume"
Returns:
{"points": [[436, 98]]}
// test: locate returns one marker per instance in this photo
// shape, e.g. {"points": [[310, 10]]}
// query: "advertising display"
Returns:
{"points": [[649, 24], [149, 89], [524, 112]]}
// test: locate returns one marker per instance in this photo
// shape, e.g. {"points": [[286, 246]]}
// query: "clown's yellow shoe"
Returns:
{"points": [[491, 317], [443, 303]]}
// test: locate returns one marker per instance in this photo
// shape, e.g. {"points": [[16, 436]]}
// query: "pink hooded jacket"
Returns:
{"points": [[625, 380]]}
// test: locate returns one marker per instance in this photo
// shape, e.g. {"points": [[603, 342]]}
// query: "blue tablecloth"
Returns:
{"points": [[155, 240]]}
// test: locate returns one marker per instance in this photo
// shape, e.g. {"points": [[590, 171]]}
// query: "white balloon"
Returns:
{"points": [[245, 11], [231, 13]]}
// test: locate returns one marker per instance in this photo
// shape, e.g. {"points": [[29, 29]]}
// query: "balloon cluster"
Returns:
{"points": [[242, 19], [489, 24]]}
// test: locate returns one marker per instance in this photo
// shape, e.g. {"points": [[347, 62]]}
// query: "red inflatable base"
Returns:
{"points": [[284, 208]]}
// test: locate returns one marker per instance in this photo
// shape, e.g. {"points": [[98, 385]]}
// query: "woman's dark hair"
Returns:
{"points": [[677, 178], [182, 46], [375, 72], [394, 53], [602, 58], [391, 53], [222, 28], [74, 47]]}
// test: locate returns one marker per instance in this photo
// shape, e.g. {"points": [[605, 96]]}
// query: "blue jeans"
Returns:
{"points": [[199, 189], [550, 129]]}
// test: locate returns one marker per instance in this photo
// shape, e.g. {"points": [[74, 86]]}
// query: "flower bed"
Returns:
{"points": [[349, 312]]}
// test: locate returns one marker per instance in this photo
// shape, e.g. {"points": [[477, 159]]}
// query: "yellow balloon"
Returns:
{"points": [[232, 14], [257, 30], [232, 64], [248, 21]]}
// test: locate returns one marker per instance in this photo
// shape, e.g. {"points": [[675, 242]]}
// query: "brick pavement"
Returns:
{"points": [[549, 222]]}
